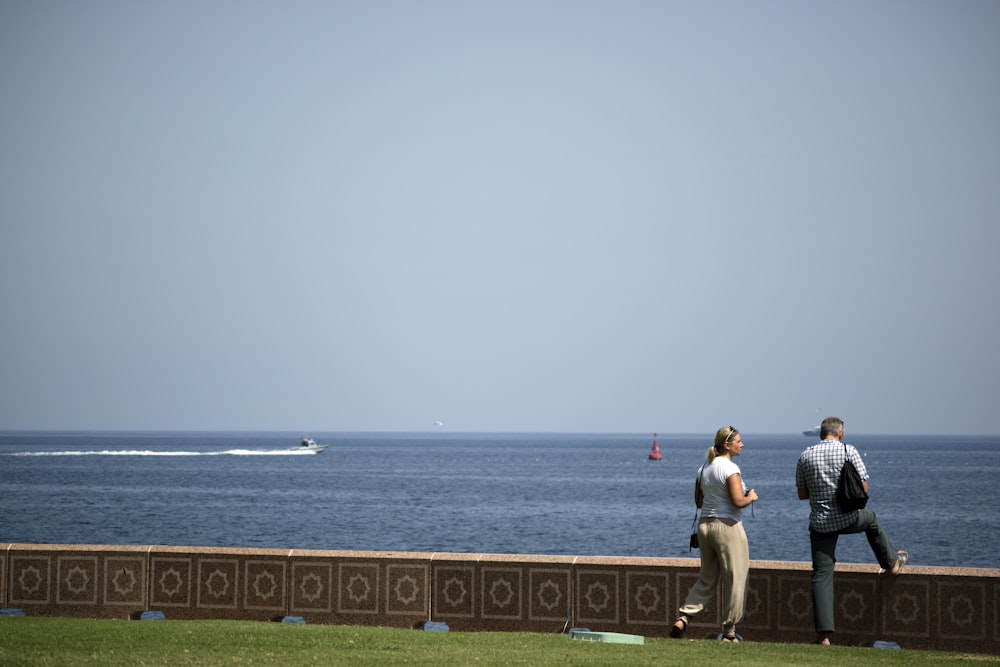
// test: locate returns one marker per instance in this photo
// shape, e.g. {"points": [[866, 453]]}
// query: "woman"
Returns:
{"points": [[725, 555]]}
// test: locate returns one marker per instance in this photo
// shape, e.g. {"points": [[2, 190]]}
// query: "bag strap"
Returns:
{"points": [[701, 487]]}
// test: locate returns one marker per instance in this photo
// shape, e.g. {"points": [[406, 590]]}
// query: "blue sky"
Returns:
{"points": [[507, 216]]}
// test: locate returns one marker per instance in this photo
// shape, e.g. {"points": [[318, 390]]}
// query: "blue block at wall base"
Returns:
{"points": [[294, 619], [435, 626], [11, 612]]}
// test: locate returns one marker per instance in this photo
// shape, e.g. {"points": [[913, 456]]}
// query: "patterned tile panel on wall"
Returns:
{"points": [[647, 601], [312, 585], [358, 586], [30, 579], [548, 594], [76, 580], [454, 592], [795, 610], [218, 583], [906, 608], [171, 581], [759, 602], [502, 593], [854, 602], [407, 590], [962, 609], [264, 584], [597, 596], [124, 577]]}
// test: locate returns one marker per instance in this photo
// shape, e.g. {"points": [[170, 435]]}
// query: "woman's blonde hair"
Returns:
{"points": [[722, 436]]}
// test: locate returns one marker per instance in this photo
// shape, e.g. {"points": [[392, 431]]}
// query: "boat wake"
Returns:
{"points": [[149, 452]]}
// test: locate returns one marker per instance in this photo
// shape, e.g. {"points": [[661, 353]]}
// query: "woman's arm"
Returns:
{"points": [[735, 484]]}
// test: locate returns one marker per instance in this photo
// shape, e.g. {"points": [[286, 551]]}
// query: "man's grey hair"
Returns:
{"points": [[831, 426]]}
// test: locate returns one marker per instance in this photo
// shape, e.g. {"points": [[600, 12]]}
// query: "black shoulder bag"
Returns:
{"points": [[693, 544], [851, 494]]}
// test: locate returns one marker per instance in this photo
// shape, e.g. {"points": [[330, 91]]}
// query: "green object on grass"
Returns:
{"points": [[607, 637]]}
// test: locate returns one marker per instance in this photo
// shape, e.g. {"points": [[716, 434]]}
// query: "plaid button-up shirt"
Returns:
{"points": [[818, 470]]}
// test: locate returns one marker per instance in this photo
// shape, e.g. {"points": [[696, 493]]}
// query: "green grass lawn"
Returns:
{"points": [[72, 641]]}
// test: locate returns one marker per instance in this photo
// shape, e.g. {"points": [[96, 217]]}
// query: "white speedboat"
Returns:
{"points": [[309, 445]]}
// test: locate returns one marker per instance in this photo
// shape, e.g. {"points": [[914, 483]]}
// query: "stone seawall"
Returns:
{"points": [[928, 608]]}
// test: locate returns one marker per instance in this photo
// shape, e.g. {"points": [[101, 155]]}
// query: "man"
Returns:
{"points": [[816, 476]]}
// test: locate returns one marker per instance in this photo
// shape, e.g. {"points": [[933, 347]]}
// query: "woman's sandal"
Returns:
{"points": [[677, 631]]}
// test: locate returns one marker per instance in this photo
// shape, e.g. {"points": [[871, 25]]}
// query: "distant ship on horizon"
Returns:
{"points": [[812, 431]]}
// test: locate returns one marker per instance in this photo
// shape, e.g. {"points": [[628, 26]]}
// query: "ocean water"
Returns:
{"points": [[564, 494]]}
